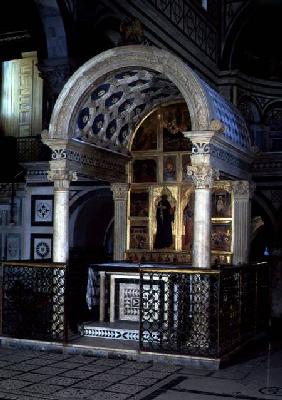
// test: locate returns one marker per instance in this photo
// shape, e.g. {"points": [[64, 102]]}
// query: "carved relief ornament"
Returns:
{"points": [[61, 178], [202, 176], [120, 191], [241, 189]]}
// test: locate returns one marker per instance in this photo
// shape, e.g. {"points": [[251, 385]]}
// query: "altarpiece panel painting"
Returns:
{"points": [[221, 237], [145, 171], [139, 204], [221, 204]]}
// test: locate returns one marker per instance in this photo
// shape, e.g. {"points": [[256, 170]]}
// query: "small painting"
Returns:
{"points": [[139, 204], [145, 171], [146, 135], [221, 204], [221, 237], [139, 237], [169, 169], [186, 161], [176, 121]]}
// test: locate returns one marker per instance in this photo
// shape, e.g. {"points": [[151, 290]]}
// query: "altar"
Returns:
{"points": [[116, 288]]}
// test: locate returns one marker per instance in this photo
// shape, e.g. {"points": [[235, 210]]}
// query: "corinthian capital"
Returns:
{"points": [[242, 189], [120, 191], [61, 176], [202, 176]]}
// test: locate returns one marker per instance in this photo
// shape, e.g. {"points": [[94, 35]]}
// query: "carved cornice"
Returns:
{"points": [[223, 185], [202, 176], [120, 191]]}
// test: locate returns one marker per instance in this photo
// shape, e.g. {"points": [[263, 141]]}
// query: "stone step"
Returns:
{"points": [[107, 330]]}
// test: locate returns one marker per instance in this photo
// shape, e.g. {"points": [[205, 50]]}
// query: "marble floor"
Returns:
{"points": [[30, 375]]}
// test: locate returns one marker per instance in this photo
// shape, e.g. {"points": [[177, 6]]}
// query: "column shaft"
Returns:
{"points": [[241, 225], [202, 176], [120, 192], [61, 225], [202, 228], [61, 176]]}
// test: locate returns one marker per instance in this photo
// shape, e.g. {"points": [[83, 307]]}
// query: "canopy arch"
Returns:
{"points": [[84, 80]]}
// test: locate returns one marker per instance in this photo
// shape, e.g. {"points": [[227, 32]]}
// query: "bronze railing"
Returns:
{"points": [[205, 313], [33, 302]]}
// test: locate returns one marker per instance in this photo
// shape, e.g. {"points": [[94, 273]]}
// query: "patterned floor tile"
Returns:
{"points": [[75, 373], [60, 380], [122, 388], [4, 363], [75, 393], [136, 365], [94, 385], [139, 381], [42, 388], [40, 361], [152, 374], [164, 368], [8, 373], [50, 370], [32, 377], [12, 384], [109, 396], [65, 365], [108, 377], [94, 368], [21, 367], [124, 371], [83, 359]]}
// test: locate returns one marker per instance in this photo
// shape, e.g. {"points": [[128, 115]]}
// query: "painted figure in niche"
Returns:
{"points": [[186, 161], [169, 174], [165, 219], [221, 204], [188, 216]]}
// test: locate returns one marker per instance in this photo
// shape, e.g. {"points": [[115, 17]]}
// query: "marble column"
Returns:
{"points": [[202, 177], [120, 194], [241, 222], [61, 176]]}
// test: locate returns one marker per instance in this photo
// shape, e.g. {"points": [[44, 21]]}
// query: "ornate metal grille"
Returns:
{"points": [[33, 300], [179, 312], [204, 313]]}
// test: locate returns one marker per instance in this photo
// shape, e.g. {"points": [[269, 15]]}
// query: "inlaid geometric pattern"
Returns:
{"points": [[129, 302]]}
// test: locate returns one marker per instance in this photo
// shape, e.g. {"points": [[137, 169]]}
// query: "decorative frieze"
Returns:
{"points": [[59, 154]]}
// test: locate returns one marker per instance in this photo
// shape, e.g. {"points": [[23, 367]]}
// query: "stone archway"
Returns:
{"points": [[81, 83]]}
